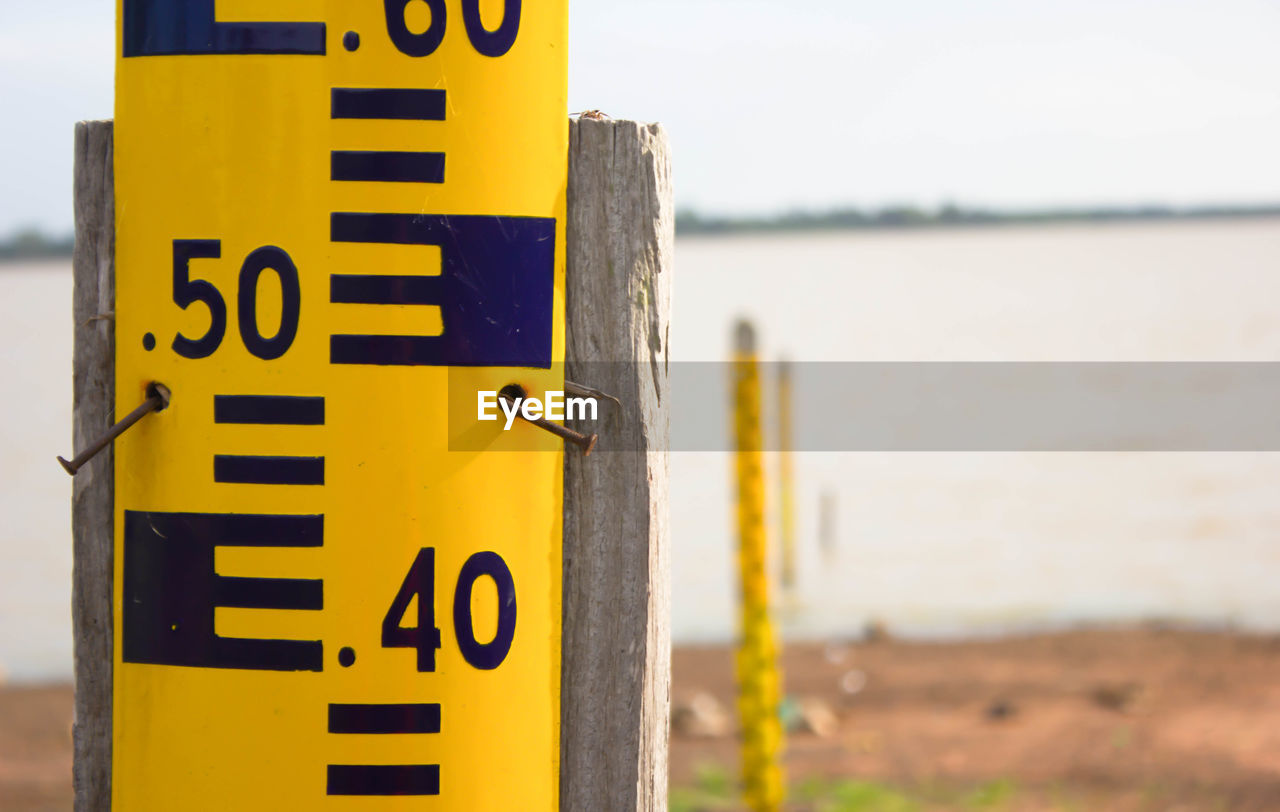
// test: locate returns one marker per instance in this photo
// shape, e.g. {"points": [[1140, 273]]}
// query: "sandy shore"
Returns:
{"points": [[35, 747], [1096, 719], [1114, 719]]}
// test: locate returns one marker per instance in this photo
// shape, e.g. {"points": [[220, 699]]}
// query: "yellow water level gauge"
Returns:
{"points": [[328, 594]]}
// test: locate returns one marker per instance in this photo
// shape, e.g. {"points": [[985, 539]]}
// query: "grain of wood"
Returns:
{"points": [[93, 489], [616, 662]]}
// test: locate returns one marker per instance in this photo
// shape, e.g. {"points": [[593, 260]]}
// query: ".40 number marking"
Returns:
{"points": [[425, 636]]}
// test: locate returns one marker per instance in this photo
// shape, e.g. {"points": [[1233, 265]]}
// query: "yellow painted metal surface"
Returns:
{"points": [[759, 680], [333, 220]]}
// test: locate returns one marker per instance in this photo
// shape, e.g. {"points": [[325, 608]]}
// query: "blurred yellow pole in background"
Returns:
{"points": [[759, 686], [786, 502]]}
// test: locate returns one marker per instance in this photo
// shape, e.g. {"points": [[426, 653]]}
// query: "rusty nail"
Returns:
{"points": [[157, 399], [580, 391], [584, 441]]}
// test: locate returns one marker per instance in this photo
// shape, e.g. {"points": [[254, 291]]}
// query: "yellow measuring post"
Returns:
{"points": [[759, 682], [333, 220], [786, 481]]}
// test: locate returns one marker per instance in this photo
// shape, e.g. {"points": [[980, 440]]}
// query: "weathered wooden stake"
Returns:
{"points": [[616, 667], [93, 489], [616, 646]]}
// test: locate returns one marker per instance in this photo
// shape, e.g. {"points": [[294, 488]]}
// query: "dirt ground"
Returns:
{"points": [[35, 747], [1131, 719], [1096, 719]]}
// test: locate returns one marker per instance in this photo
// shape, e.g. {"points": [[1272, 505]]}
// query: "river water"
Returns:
{"points": [[930, 544]]}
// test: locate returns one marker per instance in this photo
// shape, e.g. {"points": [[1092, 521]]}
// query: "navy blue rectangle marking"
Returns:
{"points": [[413, 104], [401, 290], [172, 591], [495, 289], [411, 718], [268, 593], [269, 410], [387, 350], [383, 779], [237, 529], [189, 27], [387, 167], [390, 229], [250, 470]]}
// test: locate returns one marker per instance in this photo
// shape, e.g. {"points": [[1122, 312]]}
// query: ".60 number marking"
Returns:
{"points": [[489, 43]]}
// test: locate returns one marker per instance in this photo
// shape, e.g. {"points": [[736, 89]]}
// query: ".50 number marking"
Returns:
{"points": [[187, 290]]}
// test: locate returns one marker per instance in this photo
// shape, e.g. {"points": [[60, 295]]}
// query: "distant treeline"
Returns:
{"points": [[690, 222], [32, 244]]}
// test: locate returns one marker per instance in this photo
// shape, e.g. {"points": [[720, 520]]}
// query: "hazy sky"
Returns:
{"points": [[774, 105]]}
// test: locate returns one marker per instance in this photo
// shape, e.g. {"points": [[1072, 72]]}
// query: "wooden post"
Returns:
{"points": [[616, 666], [93, 489], [615, 669]]}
